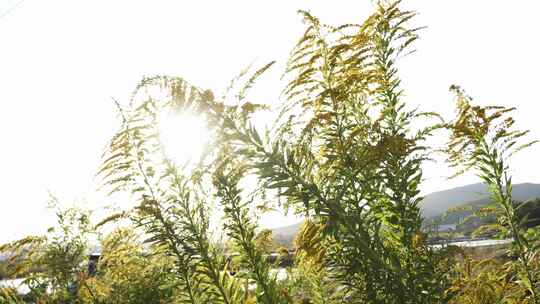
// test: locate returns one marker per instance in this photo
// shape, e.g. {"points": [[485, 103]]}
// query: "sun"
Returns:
{"points": [[184, 136]]}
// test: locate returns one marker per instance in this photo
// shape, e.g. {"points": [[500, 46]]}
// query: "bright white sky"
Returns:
{"points": [[61, 61]]}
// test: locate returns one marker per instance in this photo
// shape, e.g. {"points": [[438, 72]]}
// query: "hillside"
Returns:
{"points": [[437, 203], [285, 235]]}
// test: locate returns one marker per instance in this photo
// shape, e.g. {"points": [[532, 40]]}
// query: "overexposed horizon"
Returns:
{"points": [[62, 61]]}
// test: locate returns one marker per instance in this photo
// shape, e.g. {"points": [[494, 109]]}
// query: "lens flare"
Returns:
{"points": [[184, 136]]}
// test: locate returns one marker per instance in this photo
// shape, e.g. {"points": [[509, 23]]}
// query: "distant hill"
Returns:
{"points": [[436, 203], [285, 235]]}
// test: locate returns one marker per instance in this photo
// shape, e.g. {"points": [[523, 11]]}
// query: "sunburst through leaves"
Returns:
{"points": [[184, 136]]}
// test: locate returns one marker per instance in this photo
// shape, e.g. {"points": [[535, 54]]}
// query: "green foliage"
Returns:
{"points": [[311, 277], [172, 207], [483, 139], [485, 281], [265, 241], [345, 152], [128, 274], [241, 229], [9, 295], [52, 265]]}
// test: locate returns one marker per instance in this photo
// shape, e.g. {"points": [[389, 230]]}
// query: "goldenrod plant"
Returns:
{"points": [[127, 272], [52, 266], [345, 154], [485, 281], [344, 151], [483, 139], [241, 229]]}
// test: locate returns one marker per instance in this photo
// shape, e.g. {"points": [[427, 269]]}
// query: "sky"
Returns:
{"points": [[62, 62]]}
